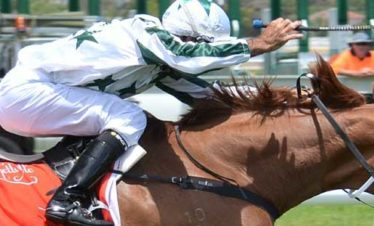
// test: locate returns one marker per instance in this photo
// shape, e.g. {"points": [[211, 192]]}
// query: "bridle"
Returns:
{"points": [[348, 142]]}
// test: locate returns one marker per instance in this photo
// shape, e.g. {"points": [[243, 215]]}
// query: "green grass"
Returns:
{"points": [[328, 215]]}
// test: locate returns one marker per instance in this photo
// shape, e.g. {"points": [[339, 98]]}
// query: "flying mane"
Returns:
{"points": [[270, 101]]}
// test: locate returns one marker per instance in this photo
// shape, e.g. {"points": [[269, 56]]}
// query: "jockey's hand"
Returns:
{"points": [[275, 35]]}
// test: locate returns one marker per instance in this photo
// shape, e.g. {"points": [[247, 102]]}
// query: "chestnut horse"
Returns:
{"points": [[269, 143]]}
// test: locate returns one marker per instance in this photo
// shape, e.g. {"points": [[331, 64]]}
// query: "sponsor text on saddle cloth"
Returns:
{"points": [[25, 190]]}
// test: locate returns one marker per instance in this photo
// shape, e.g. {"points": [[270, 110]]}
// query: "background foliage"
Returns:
{"points": [[249, 9]]}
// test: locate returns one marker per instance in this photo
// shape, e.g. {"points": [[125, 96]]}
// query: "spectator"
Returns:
{"points": [[358, 60]]}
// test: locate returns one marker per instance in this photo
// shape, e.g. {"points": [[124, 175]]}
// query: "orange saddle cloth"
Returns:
{"points": [[25, 192]]}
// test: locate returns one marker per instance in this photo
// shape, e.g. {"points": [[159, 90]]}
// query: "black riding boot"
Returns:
{"points": [[100, 154]]}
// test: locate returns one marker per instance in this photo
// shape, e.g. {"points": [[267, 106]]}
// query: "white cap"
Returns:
{"points": [[197, 18]]}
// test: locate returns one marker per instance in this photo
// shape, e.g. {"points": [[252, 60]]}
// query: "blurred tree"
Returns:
{"points": [[39, 7], [250, 9], [153, 8]]}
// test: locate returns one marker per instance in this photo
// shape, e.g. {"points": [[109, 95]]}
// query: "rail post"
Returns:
{"points": [[23, 7], [94, 7], [74, 5], [6, 7], [303, 14], [275, 9], [342, 12], [370, 14], [163, 5], [141, 6], [234, 13]]}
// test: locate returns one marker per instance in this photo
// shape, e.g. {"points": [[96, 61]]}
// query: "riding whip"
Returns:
{"points": [[258, 24]]}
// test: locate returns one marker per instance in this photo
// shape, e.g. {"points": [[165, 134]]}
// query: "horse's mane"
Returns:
{"points": [[270, 101]]}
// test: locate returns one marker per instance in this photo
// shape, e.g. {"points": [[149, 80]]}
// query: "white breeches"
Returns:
{"points": [[37, 107]]}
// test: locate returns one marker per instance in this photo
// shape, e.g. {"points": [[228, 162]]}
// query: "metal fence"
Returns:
{"points": [[20, 31]]}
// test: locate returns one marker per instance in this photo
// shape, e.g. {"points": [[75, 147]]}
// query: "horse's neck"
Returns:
{"points": [[161, 159], [343, 170], [166, 157], [309, 157], [285, 159]]}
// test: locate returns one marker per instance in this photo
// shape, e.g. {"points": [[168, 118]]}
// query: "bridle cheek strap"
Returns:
{"points": [[348, 142]]}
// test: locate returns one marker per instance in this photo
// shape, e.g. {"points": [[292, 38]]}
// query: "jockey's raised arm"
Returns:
{"points": [[159, 46], [210, 45], [276, 34]]}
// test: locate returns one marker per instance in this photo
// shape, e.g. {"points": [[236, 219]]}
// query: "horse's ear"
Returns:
{"points": [[321, 68], [326, 66], [332, 92]]}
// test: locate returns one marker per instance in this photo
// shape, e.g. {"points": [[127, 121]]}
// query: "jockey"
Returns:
{"points": [[76, 85]]}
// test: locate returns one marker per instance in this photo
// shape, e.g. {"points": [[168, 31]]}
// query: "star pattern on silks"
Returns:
{"points": [[101, 84], [128, 91], [85, 36]]}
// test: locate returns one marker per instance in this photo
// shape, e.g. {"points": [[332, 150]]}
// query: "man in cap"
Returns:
{"points": [[358, 60], [76, 85]]}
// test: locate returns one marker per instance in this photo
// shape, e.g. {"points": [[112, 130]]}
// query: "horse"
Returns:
{"points": [[241, 157], [270, 143]]}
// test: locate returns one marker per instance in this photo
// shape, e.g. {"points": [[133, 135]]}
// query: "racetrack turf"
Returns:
{"points": [[328, 215]]}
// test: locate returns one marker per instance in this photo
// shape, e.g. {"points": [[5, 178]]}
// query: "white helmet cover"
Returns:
{"points": [[197, 18]]}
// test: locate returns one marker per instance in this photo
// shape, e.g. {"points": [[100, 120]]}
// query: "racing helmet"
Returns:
{"points": [[201, 19]]}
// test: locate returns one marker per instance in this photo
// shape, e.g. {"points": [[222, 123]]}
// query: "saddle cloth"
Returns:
{"points": [[25, 190]]}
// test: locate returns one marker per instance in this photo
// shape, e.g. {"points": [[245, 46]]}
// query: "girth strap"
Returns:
{"points": [[208, 185], [11, 157], [196, 162]]}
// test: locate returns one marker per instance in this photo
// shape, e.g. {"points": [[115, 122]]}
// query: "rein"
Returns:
{"points": [[240, 192], [197, 163], [348, 142]]}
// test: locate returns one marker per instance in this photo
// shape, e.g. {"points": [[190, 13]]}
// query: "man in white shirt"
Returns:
{"points": [[76, 85]]}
